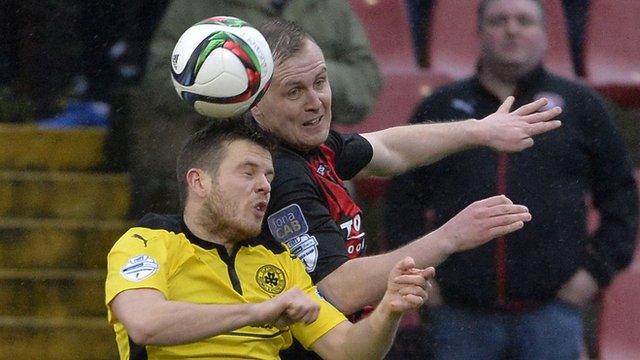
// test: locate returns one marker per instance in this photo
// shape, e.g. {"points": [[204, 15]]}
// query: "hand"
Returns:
{"points": [[407, 287], [288, 308], [512, 131], [579, 290], [482, 221], [435, 297]]}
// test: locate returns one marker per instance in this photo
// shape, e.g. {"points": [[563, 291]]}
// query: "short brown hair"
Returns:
{"points": [[285, 38], [206, 148]]}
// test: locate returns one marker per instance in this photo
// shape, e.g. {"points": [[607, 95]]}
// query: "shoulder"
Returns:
{"points": [[573, 89], [269, 244], [454, 88], [289, 167], [152, 221], [582, 106], [153, 233], [335, 141], [286, 158], [448, 100], [338, 142], [444, 94]]}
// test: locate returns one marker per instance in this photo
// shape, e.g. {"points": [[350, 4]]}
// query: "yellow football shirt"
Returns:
{"points": [[164, 255]]}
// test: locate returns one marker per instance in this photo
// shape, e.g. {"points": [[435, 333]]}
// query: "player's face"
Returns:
{"points": [[297, 106], [513, 35], [240, 191]]}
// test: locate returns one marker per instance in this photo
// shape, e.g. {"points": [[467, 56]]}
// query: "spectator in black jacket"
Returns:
{"points": [[520, 296]]}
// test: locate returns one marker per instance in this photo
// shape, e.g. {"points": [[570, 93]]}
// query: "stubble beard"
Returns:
{"points": [[224, 219]]}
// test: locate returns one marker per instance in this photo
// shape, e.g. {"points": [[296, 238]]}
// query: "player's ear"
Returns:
{"points": [[198, 182]]}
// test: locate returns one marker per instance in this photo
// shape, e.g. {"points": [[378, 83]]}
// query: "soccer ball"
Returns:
{"points": [[221, 66]]}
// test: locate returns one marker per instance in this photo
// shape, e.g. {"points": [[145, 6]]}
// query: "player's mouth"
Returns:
{"points": [[313, 122], [260, 208]]}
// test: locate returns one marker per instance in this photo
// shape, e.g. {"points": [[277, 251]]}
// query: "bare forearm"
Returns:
{"points": [[176, 322], [372, 337], [368, 339], [363, 281], [416, 145], [171, 322], [356, 283]]}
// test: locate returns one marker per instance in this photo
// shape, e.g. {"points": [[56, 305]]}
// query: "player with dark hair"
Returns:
{"points": [[201, 286]]}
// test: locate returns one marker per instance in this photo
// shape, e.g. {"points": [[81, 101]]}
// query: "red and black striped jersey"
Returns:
{"points": [[311, 209]]}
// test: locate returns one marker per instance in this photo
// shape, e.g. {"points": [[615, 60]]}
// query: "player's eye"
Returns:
{"points": [[294, 93], [497, 21], [526, 21], [248, 172]]}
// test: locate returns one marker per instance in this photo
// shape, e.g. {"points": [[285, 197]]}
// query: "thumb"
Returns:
{"points": [[404, 265]]}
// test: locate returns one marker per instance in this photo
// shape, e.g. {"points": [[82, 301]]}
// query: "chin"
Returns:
{"points": [[253, 231], [320, 137]]}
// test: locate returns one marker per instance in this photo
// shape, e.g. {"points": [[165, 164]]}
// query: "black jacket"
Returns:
{"points": [[585, 156]]}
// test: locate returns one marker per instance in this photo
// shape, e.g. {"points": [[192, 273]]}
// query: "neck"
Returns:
{"points": [[500, 79], [501, 87], [201, 226]]}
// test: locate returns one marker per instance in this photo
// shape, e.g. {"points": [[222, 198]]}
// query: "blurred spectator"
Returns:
{"points": [[52, 50], [114, 39], [36, 60], [162, 120], [65, 63], [575, 12], [521, 296]]}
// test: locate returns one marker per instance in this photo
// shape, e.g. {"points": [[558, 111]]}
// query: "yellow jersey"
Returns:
{"points": [[162, 254]]}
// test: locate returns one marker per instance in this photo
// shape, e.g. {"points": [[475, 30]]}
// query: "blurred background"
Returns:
{"points": [[68, 72]]}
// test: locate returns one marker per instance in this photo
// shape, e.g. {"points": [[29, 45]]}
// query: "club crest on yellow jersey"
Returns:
{"points": [[271, 279]]}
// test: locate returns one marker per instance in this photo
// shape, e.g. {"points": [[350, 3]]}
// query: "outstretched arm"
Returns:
{"points": [[150, 318], [371, 338], [398, 149], [475, 225]]}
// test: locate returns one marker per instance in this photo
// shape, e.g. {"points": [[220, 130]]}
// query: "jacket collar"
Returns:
{"points": [[530, 80]]}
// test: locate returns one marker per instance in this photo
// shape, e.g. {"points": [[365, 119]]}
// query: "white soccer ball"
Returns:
{"points": [[221, 66]]}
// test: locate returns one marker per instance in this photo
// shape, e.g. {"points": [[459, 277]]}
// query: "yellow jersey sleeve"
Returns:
{"points": [[139, 259], [328, 317]]}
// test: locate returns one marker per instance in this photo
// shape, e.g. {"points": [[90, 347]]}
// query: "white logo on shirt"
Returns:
{"points": [[553, 98], [305, 248], [139, 268], [462, 105]]}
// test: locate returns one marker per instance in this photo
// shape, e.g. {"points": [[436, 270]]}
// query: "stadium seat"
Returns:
{"points": [[612, 51], [453, 40], [387, 26], [453, 46], [401, 93], [619, 331]]}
